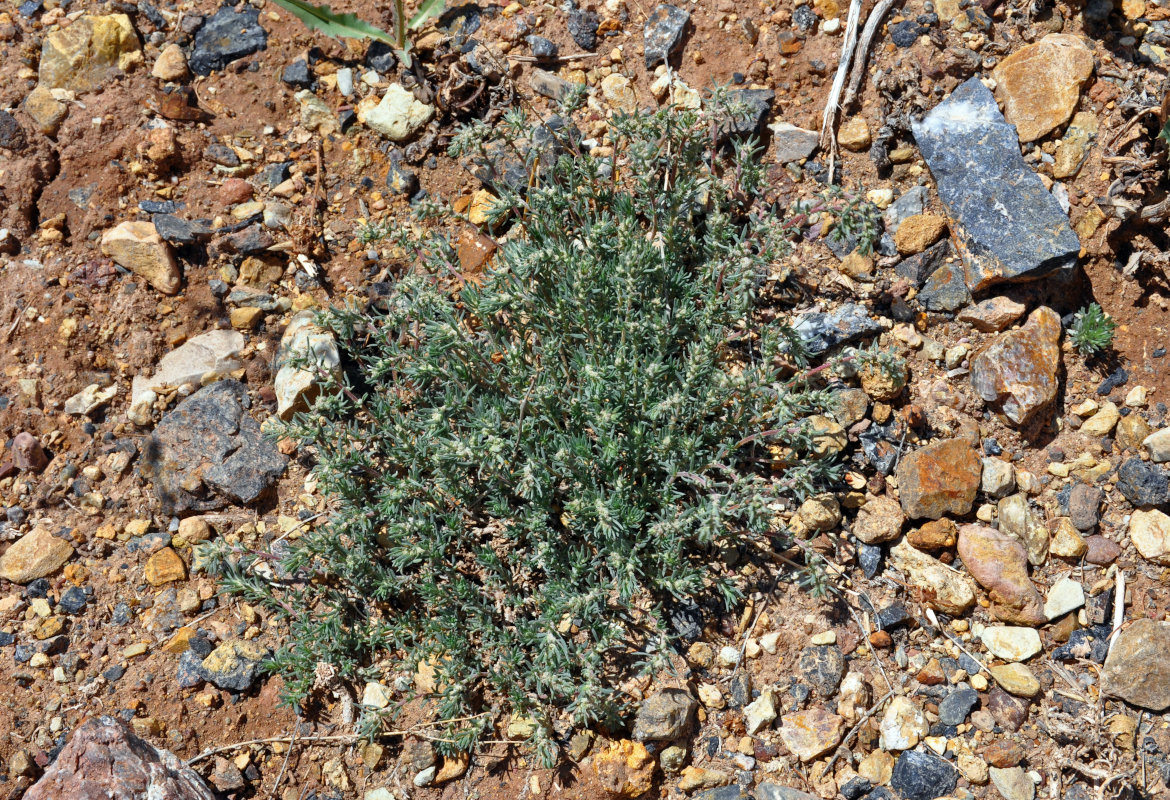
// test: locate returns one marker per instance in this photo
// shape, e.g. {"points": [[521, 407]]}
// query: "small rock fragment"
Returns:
{"points": [[137, 246]]}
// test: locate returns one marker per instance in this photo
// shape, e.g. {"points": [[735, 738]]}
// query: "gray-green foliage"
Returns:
{"points": [[1092, 330], [525, 472]]}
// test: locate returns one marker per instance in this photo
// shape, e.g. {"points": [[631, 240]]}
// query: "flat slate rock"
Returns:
{"points": [[208, 452], [822, 332], [228, 35], [1010, 227], [664, 32]]}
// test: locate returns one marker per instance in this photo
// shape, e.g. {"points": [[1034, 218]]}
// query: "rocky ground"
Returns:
{"points": [[179, 181]]}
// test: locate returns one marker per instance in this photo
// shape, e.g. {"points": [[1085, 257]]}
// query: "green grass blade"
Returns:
{"points": [[428, 9], [324, 19]]}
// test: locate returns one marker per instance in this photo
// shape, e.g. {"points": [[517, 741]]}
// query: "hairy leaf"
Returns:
{"points": [[329, 22]]}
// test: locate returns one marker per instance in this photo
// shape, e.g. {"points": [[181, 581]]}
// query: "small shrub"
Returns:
{"points": [[526, 470], [1092, 330]]}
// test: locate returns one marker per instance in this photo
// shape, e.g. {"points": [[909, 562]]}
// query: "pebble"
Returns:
{"points": [[233, 665], [137, 246], [903, 725], [1157, 444], [1013, 783], [171, 65], [36, 554], [919, 775], [854, 135], [1016, 679], [945, 588], [1149, 531], [1143, 484], [88, 53], [397, 116], [812, 733], [1065, 595], [663, 33], [1011, 643], [1137, 670], [664, 715], [955, 707], [759, 714], [230, 34], [919, 232], [993, 314], [823, 667], [790, 143]]}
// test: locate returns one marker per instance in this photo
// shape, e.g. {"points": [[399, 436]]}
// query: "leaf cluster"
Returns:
{"points": [[1092, 330]]}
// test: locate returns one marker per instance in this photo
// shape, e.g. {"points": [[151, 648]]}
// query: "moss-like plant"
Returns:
{"points": [[1092, 330]]}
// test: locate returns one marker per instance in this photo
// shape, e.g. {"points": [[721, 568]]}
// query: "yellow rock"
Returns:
{"points": [[854, 135], [452, 768], [138, 247], [89, 52], [171, 64], [1040, 84], [481, 203], [180, 642], [165, 566], [45, 110], [246, 318], [625, 769], [35, 555], [919, 232]]}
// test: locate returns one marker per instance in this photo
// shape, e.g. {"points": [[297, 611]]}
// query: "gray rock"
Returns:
{"points": [[790, 143], [664, 715], [105, 761], [542, 49], [229, 34], [583, 28], [1010, 227], [1084, 505], [297, 74], [922, 776], [234, 665], [945, 289], [179, 231], [955, 707], [822, 332], [1137, 669], [823, 666], [756, 105], [208, 452], [919, 267], [1143, 484], [909, 204], [770, 791], [548, 84], [664, 32], [723, 793]]}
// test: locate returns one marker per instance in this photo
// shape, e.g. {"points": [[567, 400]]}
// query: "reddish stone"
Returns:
{"points": [[233, 191], [939, 479], [27, 453], [1101, 551], [105, 761], [1016, 373], [1003, 753], [1010, 712], [999, 563]]}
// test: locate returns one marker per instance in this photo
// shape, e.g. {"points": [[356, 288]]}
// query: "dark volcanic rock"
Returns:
{"points": [[945, 289], [105, 761], [664, 32], [919, 267], [11, 134], [823, 666], [209, 452], [1143, 484], [229, 34], [756, 105], [1009, 226], [665, 715], [922, 776], [583, 28]]}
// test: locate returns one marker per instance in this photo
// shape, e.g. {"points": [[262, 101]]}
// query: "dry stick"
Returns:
{"points": [[853, 732], [346, 737], [1118, 608], [284, 765], [534, 60], [833, 104], [871, 27]]}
